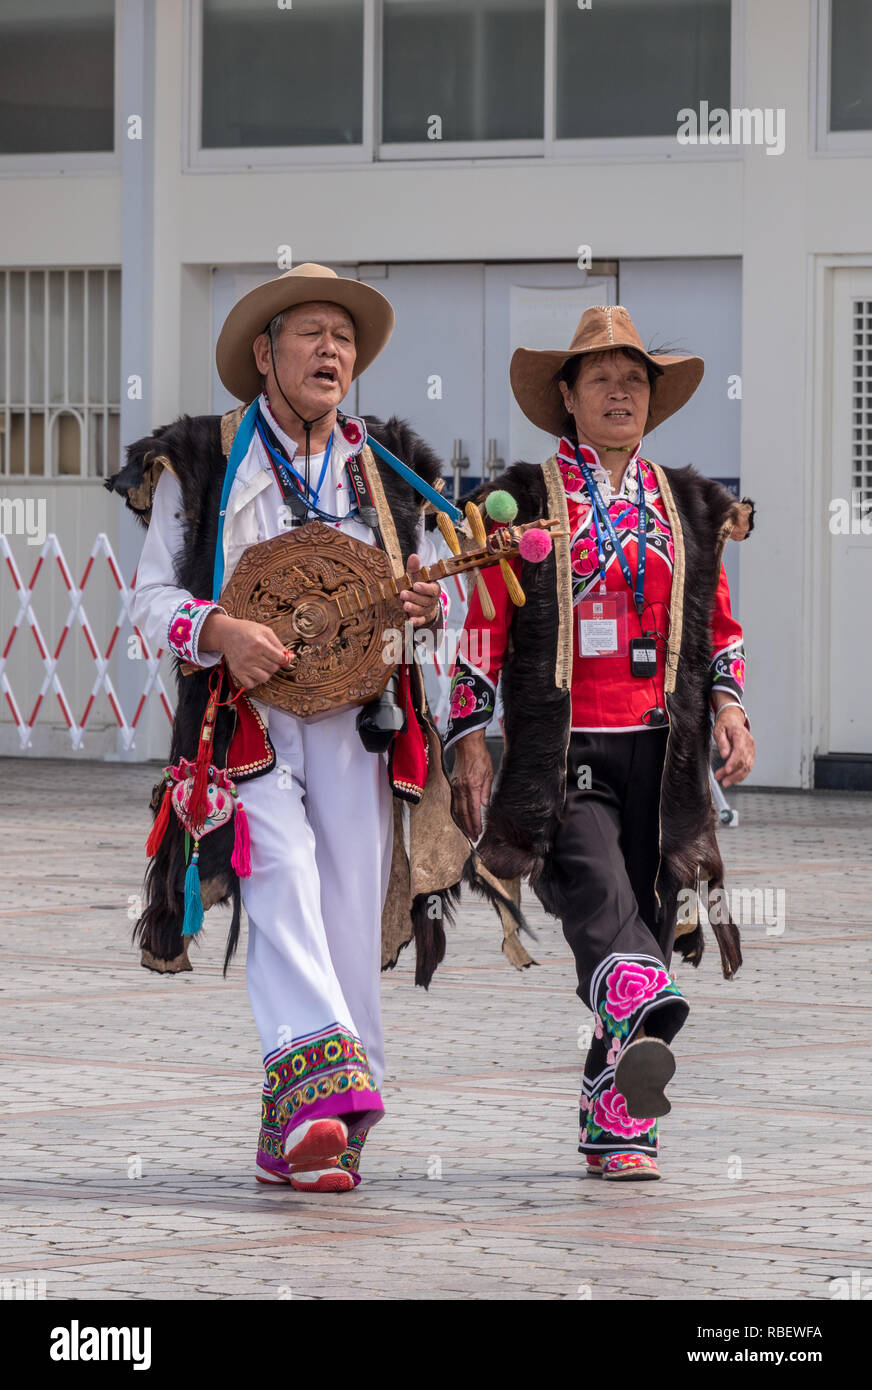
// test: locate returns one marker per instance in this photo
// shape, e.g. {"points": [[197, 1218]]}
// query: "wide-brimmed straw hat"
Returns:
{"points": [[305, 284], [604, 328]]}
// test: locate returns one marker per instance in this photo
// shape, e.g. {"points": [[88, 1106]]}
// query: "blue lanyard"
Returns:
{"points": [[285, 467], [599, 508]]}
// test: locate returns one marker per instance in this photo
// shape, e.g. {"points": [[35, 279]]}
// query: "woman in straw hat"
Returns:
{"points": [[614, 673], [319, 858]]}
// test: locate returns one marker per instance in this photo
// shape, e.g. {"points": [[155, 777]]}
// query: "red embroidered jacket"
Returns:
{"points": [[605, 695]]}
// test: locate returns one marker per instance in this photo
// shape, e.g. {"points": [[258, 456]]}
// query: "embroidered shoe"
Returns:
{"points": [[594, 1165], [629, 1167], [315, 1144], [644, 1067]]}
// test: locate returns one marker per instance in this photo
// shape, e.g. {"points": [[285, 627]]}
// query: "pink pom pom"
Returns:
{"points": [[535, 545]]}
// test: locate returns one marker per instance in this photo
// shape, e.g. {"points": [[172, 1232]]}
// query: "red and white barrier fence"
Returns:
{"points": [[149, 665]]}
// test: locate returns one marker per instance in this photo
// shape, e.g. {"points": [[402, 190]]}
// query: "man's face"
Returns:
{"points": [[314, 354]]}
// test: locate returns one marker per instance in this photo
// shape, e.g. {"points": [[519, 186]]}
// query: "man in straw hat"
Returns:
{"points": [[333, 882], [614, 673]]}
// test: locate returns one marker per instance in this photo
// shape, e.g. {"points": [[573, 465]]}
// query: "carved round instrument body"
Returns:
{"points": [[323, 594]]}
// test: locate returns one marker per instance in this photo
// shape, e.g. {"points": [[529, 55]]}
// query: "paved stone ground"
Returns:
{"points": [[472, 1187]]}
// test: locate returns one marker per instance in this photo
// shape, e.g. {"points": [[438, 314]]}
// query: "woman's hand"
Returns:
{"points": [[252, 651], [421, 602], [471, 781], [735, 745]]}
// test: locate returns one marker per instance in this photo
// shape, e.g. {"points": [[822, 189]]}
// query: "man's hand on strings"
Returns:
{"points": [[252, 651], [421, 602]]}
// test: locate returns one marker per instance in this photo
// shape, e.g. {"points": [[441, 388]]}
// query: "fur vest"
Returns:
{"points": [[528, 797], [196, 450]]}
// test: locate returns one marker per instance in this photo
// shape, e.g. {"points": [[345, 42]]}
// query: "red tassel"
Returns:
{"points": [[161, 821], [240, 860], [198, 802]]}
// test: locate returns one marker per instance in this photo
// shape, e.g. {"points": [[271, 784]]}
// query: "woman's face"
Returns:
{"points": [[609, 400]]}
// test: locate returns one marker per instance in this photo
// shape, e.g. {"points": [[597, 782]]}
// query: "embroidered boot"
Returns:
{"points": [[643, 1069]]}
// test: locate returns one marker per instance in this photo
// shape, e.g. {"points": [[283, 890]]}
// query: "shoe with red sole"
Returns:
{"points": [[316, 1144], [331, 1180]]}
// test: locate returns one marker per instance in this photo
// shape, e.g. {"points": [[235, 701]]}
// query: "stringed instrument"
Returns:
{"points": [[334, 602]]}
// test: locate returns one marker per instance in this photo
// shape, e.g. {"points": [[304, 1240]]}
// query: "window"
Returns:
{"points": [[861, 422], [850, 106], [59, 372], [628, 67], [57, 76], [308, 59], [348, 81], [478, 68]]}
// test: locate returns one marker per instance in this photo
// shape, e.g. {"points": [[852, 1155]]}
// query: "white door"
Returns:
{"points": [[850, 524], [432, 371]]}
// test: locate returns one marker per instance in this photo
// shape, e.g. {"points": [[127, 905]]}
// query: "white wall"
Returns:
{"points": [[776, 213]]}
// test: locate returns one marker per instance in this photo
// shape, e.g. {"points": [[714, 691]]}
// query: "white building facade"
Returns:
{"points": [[494, 166]]}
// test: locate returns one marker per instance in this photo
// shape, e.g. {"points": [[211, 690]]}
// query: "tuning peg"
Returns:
{"points": [[476, 524], [516, 593], [449, 535], [484, 597]]}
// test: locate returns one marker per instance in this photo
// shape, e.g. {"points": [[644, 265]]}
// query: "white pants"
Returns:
{"points": [[321, 838]]}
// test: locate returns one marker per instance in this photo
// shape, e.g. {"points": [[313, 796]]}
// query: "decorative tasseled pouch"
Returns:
{"points": [[203, 797]]}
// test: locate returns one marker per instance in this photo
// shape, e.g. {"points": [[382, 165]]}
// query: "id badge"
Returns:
{"points": [[602, 624]]}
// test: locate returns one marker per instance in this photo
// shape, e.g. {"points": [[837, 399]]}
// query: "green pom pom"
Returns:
{"points": [[501, 507]]}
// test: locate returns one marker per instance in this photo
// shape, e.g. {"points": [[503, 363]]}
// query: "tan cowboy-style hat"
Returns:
{"points": [[605, 327], [305, 284]]}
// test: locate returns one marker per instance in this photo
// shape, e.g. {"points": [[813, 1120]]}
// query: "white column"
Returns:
{"points": [[776, 460]]}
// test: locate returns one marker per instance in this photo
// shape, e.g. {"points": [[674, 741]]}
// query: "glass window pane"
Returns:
{"points": [[627, 67], [57, 74], [850, 65], [282, 77], [479, 68]]}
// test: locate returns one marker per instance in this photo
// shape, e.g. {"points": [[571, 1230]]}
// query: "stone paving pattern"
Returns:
{"points": [[472, 1184]]}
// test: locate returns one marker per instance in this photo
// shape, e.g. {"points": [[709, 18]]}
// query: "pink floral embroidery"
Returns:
{"points": [[584, 558], [610, 1113], [649, 479], [462, 701], [573, 479], [351, 432], [737, 671], [630, 521], [180, 632], [184, 628], [630, 985]]}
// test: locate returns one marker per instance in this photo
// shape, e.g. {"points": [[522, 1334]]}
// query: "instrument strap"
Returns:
{"points": [[363, 496]]}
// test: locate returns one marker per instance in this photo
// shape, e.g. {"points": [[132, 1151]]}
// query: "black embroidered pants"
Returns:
{"points": [[604, 860]]}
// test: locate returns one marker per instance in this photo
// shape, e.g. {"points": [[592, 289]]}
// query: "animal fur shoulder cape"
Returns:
{"points": [[529, 794], [425, 878]]}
